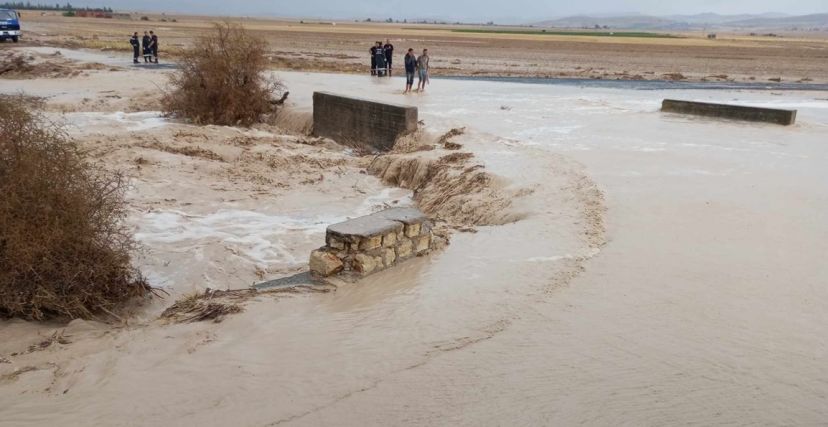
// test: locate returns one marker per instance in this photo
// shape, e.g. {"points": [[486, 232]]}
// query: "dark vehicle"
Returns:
{"points": [[9, 25]]}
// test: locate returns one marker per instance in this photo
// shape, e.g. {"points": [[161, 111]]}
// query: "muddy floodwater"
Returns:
{"points": [[663, 270]]}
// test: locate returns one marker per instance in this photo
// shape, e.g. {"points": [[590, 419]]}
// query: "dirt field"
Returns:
{"points": [[344, 48], [608, 264]]}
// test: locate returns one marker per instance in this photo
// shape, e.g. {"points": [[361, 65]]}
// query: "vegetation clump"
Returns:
{"points": [[64, 249], [222, 79]]}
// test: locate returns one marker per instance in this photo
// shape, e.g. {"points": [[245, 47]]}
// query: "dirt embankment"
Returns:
{"points": [[448, 185], [30, 65]]}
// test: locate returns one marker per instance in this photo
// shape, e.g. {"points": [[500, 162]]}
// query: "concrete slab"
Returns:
{"points": [[378, 223], [737, 112], [404, 215]]}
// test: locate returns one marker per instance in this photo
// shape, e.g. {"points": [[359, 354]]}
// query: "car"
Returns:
{"points": [[9, 25]]}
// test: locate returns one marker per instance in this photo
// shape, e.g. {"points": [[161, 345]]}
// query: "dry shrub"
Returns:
{"points": [[222, 80], [64, 251]]}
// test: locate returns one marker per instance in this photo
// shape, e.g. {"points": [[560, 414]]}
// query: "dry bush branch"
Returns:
{"points": [[222, 80], [211, 305], [64, 250]]}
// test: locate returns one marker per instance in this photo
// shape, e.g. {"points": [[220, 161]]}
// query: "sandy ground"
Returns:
{"points": [[344, 48], [654, 269]]}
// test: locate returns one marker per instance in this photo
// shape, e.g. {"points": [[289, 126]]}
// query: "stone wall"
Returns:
{"points": [[738, 112], [360, 122], [372, 243]]}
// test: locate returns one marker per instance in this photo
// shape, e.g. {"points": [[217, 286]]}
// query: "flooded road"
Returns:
{"points": [[707, 304], [667, 270]]}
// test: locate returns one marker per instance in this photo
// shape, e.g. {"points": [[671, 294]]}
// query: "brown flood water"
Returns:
{"points": [[705, 305]]}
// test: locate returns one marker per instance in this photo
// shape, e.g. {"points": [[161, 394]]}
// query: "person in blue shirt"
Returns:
{"points": [[410, 69]]}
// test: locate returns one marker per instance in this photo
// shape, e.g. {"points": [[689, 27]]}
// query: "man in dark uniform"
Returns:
{"points": [[145, 42], [380, 59], [389, 55], [136, 47], [154, 45], [373, 52]]}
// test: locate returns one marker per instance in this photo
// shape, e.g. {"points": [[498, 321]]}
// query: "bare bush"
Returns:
{"points": [[64, 251], [222, 80]]}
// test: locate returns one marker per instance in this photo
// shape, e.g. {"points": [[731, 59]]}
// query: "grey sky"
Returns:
{"points": [[468, 10]]}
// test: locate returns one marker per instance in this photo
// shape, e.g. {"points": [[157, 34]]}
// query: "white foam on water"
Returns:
{"points": [[134, 122], [258, 236]]}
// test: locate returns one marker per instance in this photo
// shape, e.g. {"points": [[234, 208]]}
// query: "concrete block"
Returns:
{"points": [[389, 257], [404, 249], [423, 243], [412, 230], [370, 243], [363, 227], [336, 243], [389, 240], [364, 264], [738, 112], [325, 263], [361, 122]]}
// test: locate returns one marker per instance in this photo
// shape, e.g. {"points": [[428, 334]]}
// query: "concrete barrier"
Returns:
{"points": [[360, 122], [372, 243], [738, 112]]}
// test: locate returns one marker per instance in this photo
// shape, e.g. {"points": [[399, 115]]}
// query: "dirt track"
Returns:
{"points": [[344, 48]]}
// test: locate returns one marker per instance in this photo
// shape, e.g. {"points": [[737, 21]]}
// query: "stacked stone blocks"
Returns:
{"points": [[372, 243]]}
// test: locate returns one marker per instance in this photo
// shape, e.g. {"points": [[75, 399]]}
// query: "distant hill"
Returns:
{"points": [[816, 21], [641, 22], [769, 21]]}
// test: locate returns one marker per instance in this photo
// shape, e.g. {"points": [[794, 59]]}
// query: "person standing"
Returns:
{"points": [[410, 68], [145, 43], [422, 66], [136, 47], [389, 55], [154, 45], [373, 52]]}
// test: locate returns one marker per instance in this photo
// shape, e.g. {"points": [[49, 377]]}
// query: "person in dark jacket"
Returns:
{"points": [[373, 52], [145, 43], [389, 55], [154, 46], [410, 69], [136, 47]]}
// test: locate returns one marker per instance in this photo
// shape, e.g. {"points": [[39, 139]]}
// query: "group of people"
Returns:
{"points": [[148, 45], [382, 58]]}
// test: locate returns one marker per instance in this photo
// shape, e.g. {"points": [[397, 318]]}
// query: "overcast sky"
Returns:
{"points": [[509, 11]]}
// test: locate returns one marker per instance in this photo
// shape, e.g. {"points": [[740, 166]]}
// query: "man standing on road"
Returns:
{"points": [[154, 45], [389, 54], [410, 68], [136, 47], [422, 66], [373, 52], [145, 43]]}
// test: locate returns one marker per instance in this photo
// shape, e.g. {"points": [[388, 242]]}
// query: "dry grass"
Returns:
{"points": [[221, 80], [64, 250], [445, 139], [211, 305]]}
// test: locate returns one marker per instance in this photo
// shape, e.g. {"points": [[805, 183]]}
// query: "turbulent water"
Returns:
{"points": [[666, 270]]}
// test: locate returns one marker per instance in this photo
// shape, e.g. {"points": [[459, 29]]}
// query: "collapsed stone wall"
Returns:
{"points": [[372, 243]]}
